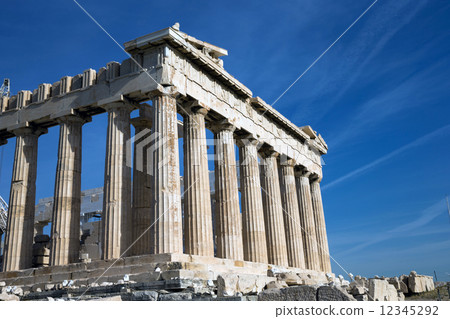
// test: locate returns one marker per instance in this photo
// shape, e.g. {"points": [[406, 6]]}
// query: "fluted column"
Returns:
{"points": [[254, 234], [321, 229], [116, 224], [273, 212], [167, 236], [142, 188], [198, 232], [18, 247], [65, 235], [307, 220], [227, 214], [291, 215]]}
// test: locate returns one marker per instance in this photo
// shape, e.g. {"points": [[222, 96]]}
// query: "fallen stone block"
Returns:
{"points": [[295, 293], [146, 295], [227, 285], [404, 279], [276, 284], [290, 278], [261, 282], [8, 297], [357, 290], [177, 296], [327, 293], [360, 281], [420, 283], [403, 287], [246, 284], [381, 290], [18, 291]]}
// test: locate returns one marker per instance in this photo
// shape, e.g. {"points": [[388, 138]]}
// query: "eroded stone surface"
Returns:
{"points": [[297, 293], [326, 293], [381, 290], [420, 283]]}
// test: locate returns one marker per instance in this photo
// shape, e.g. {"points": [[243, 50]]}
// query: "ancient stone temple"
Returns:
{"points": [[272, 218]]}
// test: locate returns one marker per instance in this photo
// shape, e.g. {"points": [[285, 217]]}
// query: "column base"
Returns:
{"points": [[153, 268]]}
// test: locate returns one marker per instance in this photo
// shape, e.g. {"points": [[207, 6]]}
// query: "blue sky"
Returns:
{"points": [[379, 97]]}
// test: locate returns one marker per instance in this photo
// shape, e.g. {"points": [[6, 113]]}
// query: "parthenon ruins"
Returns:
{"points": [[274, 218]]}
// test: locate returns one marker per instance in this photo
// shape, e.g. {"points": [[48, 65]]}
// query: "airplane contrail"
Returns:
{"points": [[384, 158]]}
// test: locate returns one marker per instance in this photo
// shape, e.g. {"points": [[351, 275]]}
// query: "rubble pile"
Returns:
{"points": [[180, 284], [389, 289]]}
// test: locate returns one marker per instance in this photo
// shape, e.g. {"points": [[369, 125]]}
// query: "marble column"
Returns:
{"points": [[167, 231], [65, 234], [198, 232], [18, 250], [273, 211], [309, 237], [253, 231], [321, 229], [142, 188], [228, 223], [116, 223], [291, 215]]}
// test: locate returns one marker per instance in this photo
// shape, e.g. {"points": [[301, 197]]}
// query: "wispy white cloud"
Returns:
{"points": [[420, 141], [350, 61], [343, 239], [416, 91], [386, 26], [405, 230], [428, 247]]}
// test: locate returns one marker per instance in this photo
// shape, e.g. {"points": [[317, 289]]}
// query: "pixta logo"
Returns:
{"points": [[146, 144]]}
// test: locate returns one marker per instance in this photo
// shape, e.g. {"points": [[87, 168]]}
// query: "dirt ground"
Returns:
{"points": [[431, 295]]}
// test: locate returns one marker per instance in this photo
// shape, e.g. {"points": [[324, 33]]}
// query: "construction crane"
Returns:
{"points": [[5, 88], [3, 215]]}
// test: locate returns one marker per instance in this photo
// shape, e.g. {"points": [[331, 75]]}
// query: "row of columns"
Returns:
{"points": [[282, 219]]}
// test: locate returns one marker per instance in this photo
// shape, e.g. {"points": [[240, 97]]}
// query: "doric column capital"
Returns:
{"points": [[118, 106], [286, 161], [74, 118], [315, 178], [171, 91], [194, 107], [70, 115], [224, 125], [141, 122], [301, 171], [144, 120], [247, 139], [27, 129], [268, 151], [145, 111]]}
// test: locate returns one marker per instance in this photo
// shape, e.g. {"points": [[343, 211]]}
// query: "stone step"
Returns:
{"points": [[148, 268]]}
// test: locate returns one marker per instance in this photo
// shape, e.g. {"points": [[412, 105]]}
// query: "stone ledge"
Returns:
{"points": [[149, 268]]}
